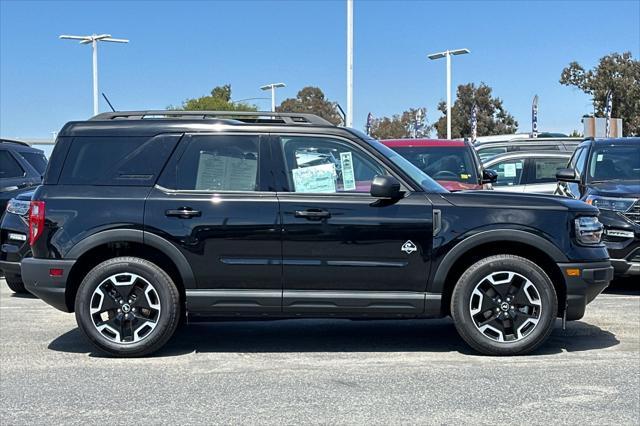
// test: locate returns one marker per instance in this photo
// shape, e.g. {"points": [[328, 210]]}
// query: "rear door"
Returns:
{"points": [[345, 252], [214, 204]]}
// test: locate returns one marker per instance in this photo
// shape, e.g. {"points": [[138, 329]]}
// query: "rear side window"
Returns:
{"points": [[9, 167], [37, 160], [129, 161], [545, 169], [219, 163]]}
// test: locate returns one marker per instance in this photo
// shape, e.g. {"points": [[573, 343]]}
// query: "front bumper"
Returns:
{"points": [[38, 281], [622, 238], [593, 277]]}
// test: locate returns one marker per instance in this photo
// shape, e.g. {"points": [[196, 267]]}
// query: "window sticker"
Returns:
{"points": [[348, 176], [599, 157], [518, 165], [226, 173], [464, 176], [315, 179], [509, 170]]}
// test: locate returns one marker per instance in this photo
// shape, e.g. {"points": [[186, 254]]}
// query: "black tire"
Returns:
{"points": [[15, 284], [168, 300], [486, 341]]}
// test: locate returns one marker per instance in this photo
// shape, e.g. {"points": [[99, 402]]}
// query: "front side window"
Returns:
{"points": [[509, 172], [545, 169], [323, 165], [9, 167], [442, 163], [219, 163], [615, 163]]}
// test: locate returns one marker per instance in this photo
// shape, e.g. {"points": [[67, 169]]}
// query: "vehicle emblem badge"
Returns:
{"points": [[409, 247]]}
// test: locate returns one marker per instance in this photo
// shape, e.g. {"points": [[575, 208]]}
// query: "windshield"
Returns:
{"points": [[427, 184], [442, 162], [615, 163]]}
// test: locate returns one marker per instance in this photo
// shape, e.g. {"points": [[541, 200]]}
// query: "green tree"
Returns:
{"points": [[401, 126], [311, 100], [493, 119], [618, 73], [218, 100], [575, 134]]}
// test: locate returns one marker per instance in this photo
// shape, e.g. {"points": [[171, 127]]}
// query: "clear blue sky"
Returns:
{"points": [[183, 49]]}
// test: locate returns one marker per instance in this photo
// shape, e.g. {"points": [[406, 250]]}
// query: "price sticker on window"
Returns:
{"points": [[348, 176]]}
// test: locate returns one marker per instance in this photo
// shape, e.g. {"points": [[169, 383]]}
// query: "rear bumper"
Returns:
{"points": [[38, 281], [583, 288]]}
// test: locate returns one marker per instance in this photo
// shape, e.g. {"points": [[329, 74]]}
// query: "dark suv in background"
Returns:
{"points": [[606, 174], [144, 218], [21, 167]]}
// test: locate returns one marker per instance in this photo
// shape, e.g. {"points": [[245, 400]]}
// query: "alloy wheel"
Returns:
{"points": [[505, 306], [125, 308]]}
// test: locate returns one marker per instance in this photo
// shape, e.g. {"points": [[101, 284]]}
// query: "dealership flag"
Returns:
{"points": [[474, 123], [607, 114], [534, 117], [369, 123]]}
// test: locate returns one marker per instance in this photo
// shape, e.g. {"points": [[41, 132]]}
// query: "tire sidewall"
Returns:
{"points": [[466, 285], [166, 293]]}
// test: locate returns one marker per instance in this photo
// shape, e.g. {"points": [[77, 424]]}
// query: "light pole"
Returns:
{"points": [[349, 118], [94, 39], [447, 54], [272, 87]]}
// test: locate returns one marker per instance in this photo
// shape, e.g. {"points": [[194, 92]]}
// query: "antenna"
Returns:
{"points": [[107, 99]]}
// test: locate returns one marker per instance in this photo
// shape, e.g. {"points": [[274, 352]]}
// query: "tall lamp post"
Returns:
{"points": [[447, 54], [349, 117], [94, 39], [272, 87]]}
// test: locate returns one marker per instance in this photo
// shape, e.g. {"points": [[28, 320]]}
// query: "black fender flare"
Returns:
{"points": [[140, 237], [510, 235]]}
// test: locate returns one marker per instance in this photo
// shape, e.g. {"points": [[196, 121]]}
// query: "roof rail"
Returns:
{"points": [[243, 116], [14, 141]]}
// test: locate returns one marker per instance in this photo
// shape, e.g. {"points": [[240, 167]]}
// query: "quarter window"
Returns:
{"points": [[321, 165], [9, 167], [219, 163]]}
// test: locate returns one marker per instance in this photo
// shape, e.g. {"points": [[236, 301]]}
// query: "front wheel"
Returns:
{"points": [[504, 305], [128, 306]]}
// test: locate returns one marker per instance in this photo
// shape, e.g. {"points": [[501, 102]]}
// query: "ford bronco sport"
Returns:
{"points": [[146, 218]]}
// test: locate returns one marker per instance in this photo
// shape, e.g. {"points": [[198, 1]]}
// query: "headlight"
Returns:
{"points": [[588, 230], [609, 203], [18, 207]]}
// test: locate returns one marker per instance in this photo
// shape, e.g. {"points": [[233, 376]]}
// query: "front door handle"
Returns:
{"points": [[183, 213], [313, 214]]}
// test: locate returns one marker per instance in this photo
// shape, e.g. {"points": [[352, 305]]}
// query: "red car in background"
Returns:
{"points": [[454, 164]]}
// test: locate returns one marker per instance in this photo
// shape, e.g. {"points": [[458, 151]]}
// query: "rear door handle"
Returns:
{"points": [[183, 213], [313, 214]]}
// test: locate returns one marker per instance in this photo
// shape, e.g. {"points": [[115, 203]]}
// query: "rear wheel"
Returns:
{"points": [[15, 284], [127, 306], [504, 305]]}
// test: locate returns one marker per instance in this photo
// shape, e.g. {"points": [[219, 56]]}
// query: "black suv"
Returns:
{"points": [[145, 218], [13, 240], [606, 173], [21, 167]]}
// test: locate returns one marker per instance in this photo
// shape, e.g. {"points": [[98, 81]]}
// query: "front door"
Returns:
{"points": [[213, 203], [345, 252]]}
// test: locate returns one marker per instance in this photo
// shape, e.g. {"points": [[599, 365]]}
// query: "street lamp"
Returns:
{"points": [[94, 39], [447, 54], [272, 87], [349, 117]]}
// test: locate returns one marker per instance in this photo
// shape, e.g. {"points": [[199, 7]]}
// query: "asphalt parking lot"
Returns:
{"points": [[321, 371]]}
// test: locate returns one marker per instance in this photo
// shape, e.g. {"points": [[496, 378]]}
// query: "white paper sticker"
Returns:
{"points": [[518, 165], [599, 157], [219, 172], [315, 179], [510, 170], [348, 176]]}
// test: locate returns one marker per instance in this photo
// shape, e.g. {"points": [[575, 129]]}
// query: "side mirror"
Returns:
{"points": [[385, 187], [489, 176], [566, 175]]}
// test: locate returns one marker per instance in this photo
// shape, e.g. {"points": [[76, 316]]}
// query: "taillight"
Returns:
{"points": [[36, 221]]}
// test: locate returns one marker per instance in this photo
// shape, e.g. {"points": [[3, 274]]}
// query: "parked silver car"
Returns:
{"points": [[533, 171]]}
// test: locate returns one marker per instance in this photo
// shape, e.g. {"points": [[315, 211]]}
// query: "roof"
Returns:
{"points": [[527, 154], [611, 141], [14, 141], [395, 143]]}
